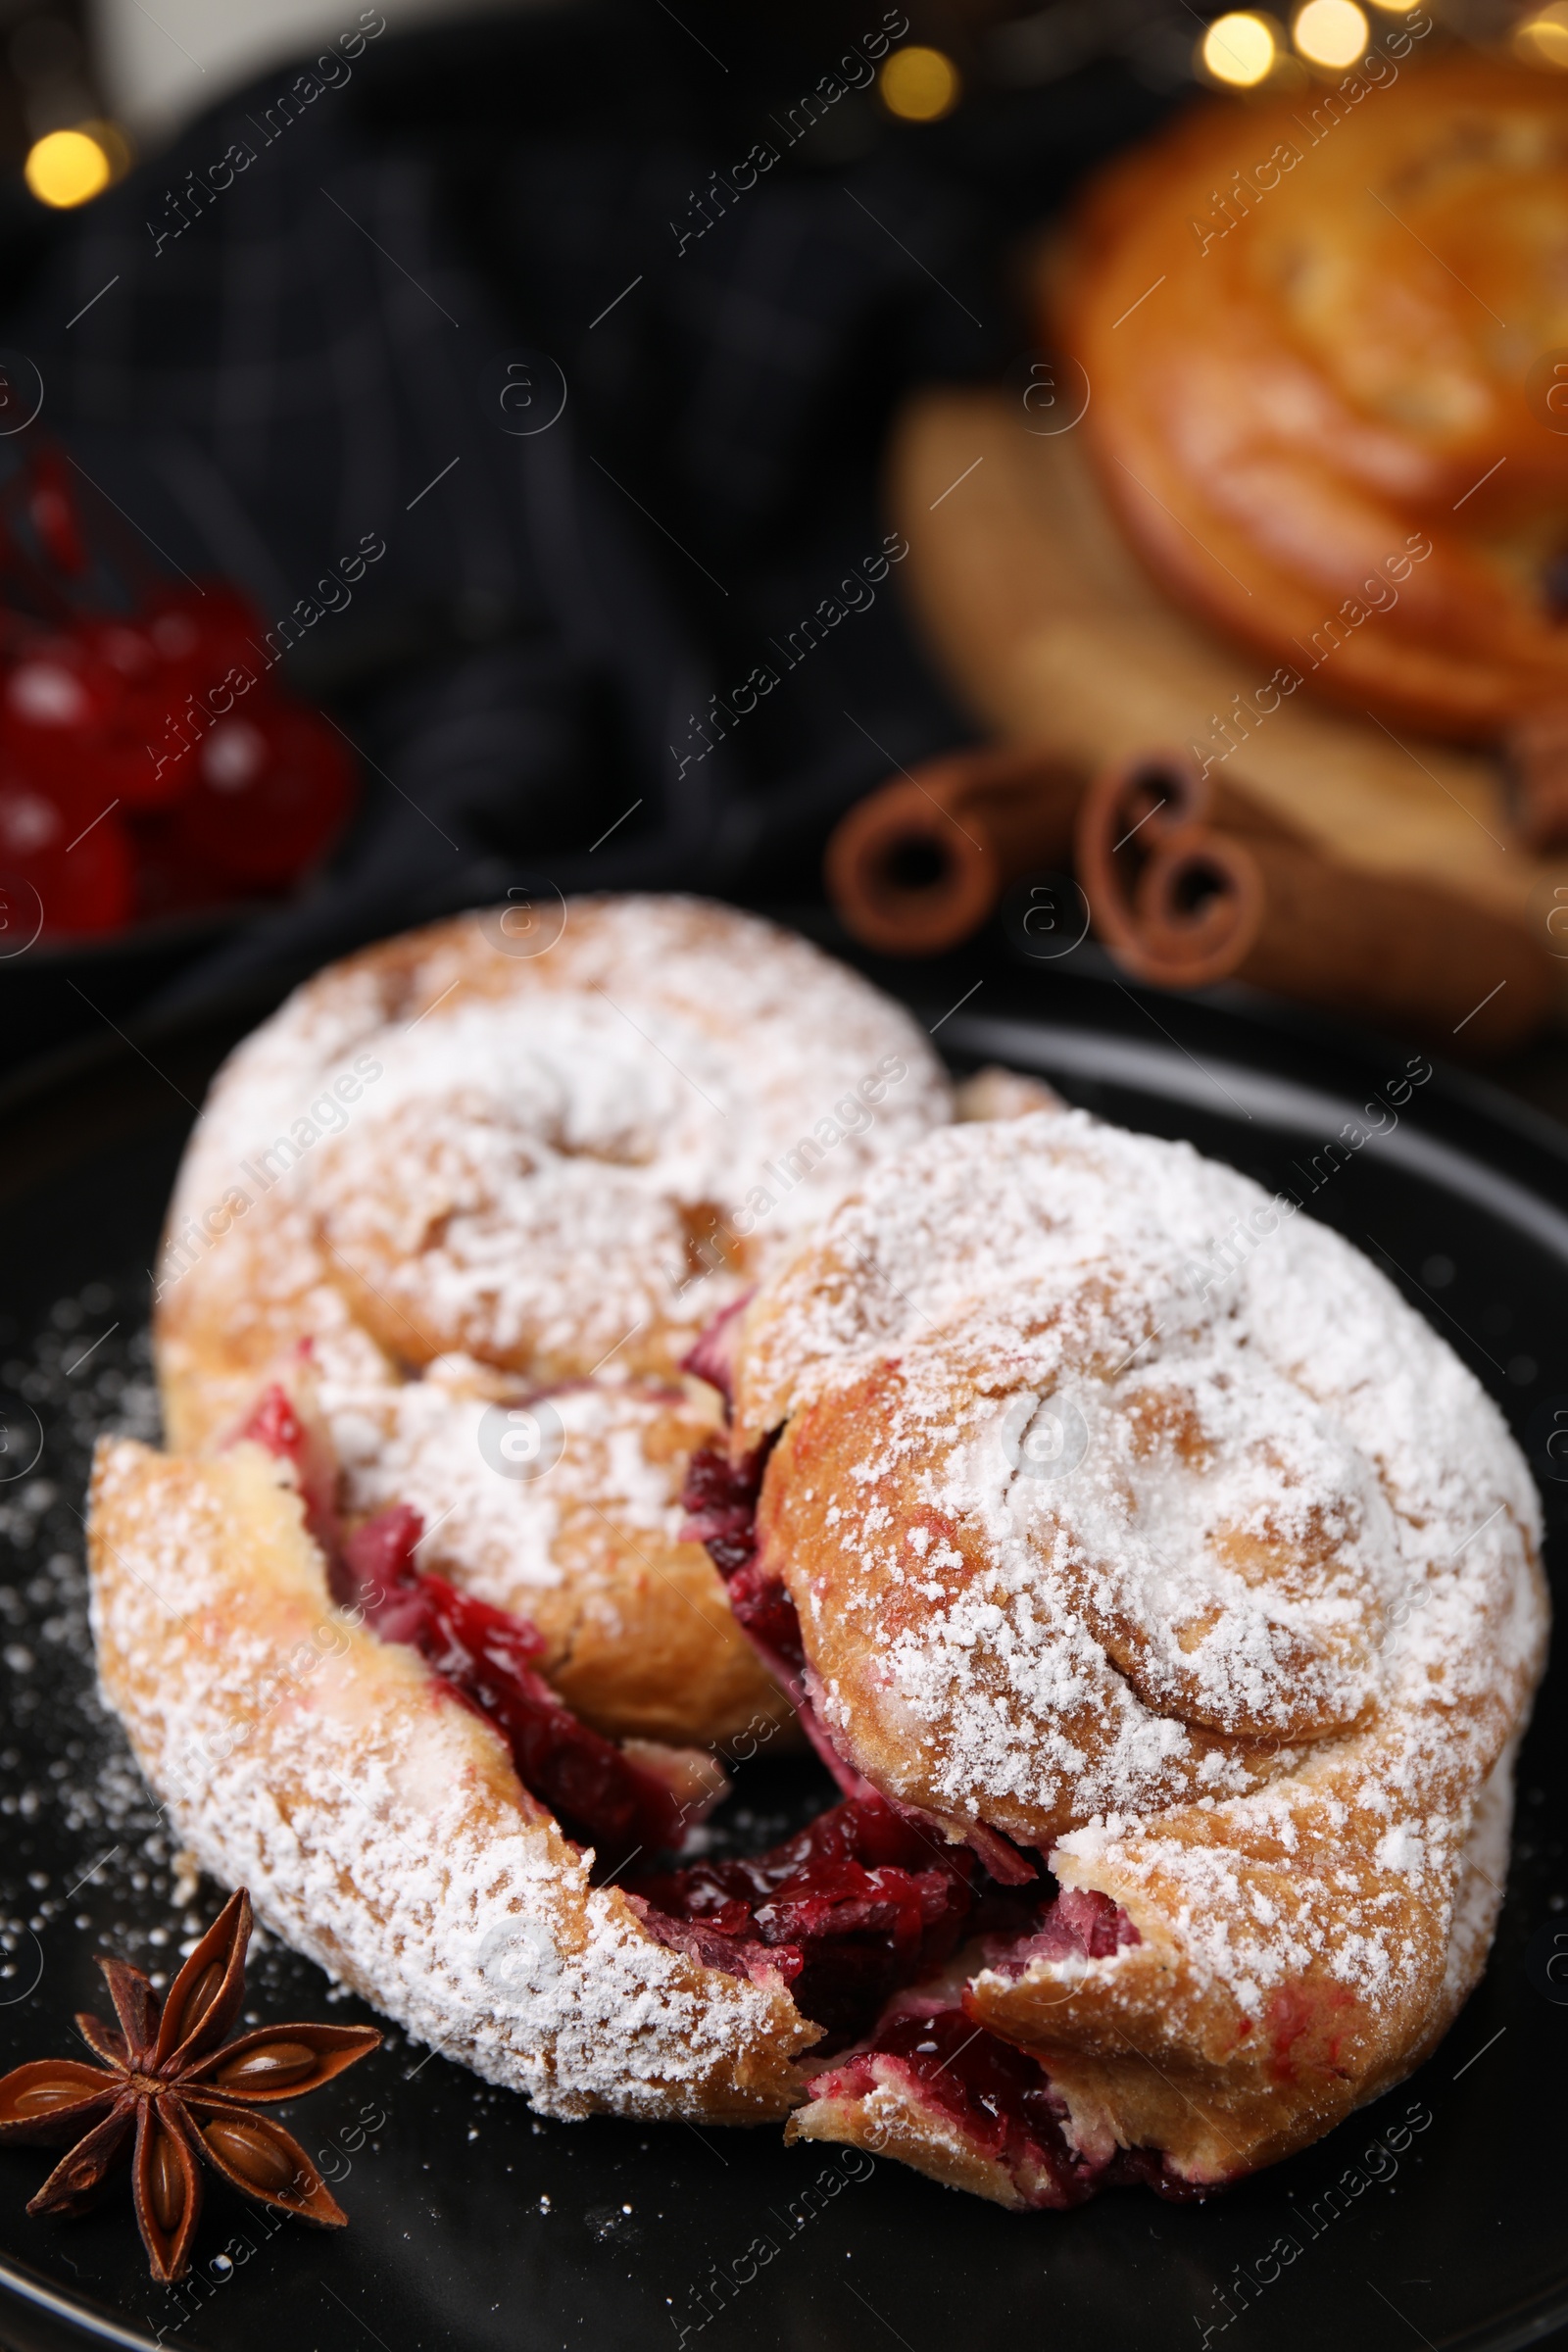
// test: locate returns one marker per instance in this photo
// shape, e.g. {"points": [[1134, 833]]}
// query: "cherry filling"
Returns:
{"points": [[486, 1655], [862, 1902], [274, 1422], [713, 1358], [720, 1498], [1079, 1920], [720, 1502], [855, 1905], [999, 2097]]}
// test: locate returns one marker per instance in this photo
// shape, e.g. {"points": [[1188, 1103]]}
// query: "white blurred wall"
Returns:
{"points": [[166, 61]]}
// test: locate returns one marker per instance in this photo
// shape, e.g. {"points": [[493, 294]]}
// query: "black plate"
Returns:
{"points": [[1440, 2216]]}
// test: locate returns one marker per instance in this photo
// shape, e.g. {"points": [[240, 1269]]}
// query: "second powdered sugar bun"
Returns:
{"points": [[1132, 1517]]}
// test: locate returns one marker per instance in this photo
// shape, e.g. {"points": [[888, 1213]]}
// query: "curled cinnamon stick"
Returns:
{"points": [[916, 866], [1186, 887]]}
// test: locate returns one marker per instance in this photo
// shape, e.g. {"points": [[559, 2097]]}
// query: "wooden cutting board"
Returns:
{"points": [[1052, 633]]}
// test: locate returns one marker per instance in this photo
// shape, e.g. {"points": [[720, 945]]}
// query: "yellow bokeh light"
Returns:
{"points": [[114, 141], [1543, 39], [1238, 49], [1331, 33], [66, 168], [920, 85]]}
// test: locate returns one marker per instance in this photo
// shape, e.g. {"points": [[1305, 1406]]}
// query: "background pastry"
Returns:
{"points": [[1321, 341]]}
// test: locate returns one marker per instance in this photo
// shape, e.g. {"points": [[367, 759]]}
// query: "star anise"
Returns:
{"points": [[166, 2076]]}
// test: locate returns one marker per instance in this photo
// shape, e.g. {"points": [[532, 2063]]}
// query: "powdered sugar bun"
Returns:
{"points": [[379, 1821], [1138, 1518], [468, 1177]]}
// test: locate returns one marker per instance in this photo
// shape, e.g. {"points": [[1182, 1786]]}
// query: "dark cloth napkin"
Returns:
{"points": [[297, 347]]}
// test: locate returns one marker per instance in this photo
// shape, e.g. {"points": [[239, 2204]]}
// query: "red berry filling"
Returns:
{"points": [[862, 1903], [720, 1502], [713, 1358], [855, 1905], [486, 1655], [997, 2097], [720, 1498], [1080, 1920], [1000, 2098], [274, 1421]]}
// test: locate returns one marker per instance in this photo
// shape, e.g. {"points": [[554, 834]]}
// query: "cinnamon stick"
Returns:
{"points": [[1186, 887], [1534, 764], [916, 866]]}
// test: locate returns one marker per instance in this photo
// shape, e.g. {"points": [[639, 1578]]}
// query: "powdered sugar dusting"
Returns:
{"points": [[464, 1176], [420, 1444], [1184, 1572], [378, 1825], [544, 1158]]}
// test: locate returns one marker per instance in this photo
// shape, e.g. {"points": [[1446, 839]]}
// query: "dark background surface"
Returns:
{"points": [[314, 359], [298, 368]]}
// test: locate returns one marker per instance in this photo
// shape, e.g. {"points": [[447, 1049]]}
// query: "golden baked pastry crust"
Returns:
{"points": [[379, 1821], [1319, 332], [1135, 1517], [638, 1635], [461, 1178], [1154, 2049]]}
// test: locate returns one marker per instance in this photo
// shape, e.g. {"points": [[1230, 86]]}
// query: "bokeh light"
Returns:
{"points": [[1331, 33], [114, 141], [1543, 39], [920, 85], [67, 167], [1239, 50]]}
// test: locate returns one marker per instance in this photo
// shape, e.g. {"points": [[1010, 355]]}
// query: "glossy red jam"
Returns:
{"points": [[274, 1422], [720, 1502], [855, 1905], [720, 1498], [864, 1902], [999, 2099], [486, 1655], [713, 1358], [1079, 1920]]}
